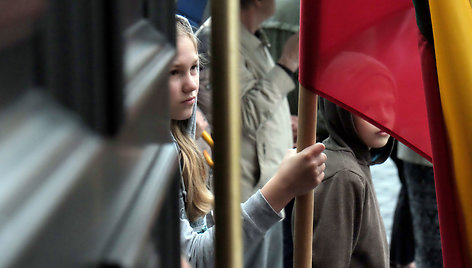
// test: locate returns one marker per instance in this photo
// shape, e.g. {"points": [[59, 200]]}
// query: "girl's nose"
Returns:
{"points": [[190, 83]]}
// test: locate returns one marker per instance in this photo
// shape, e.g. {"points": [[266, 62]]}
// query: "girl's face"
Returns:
{"points": [[184, 79], [371, 135]]}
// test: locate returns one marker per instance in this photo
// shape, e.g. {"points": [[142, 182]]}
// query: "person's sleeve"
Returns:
{"points": [[260, 97], [257, 217], [198, 248], [339, 204]]}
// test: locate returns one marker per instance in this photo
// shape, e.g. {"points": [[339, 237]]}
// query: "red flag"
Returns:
{"points": [[449, 211], [364, 57]]}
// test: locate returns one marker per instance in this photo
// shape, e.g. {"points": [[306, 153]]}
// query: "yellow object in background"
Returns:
{"points": [[207, 137], [208, 158]]}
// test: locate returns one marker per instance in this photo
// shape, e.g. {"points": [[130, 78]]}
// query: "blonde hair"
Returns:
{"points": [[199, 199]]}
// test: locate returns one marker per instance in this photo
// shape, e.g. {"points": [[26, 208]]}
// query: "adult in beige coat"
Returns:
{"points": [[266, 123], [264, 106]]}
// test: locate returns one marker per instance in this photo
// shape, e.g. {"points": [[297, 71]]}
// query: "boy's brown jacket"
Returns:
{"points": [[348, 228]]}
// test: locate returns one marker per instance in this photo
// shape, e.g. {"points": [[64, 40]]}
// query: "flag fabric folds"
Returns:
{"points": [[452, 31], [364, 57], [449, 211]]}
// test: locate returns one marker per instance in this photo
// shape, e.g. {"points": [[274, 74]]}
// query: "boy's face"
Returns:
{"points": [[371, 135]]}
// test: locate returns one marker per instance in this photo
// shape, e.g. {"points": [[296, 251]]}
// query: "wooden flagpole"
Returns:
{"points": [[303, 234]]}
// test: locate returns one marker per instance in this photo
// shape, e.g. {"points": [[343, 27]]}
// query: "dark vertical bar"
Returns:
{"points": [[163, 21], [82, 64], [84, 59], [167, 230], [108, 62], [39, 55], [58, 58]]}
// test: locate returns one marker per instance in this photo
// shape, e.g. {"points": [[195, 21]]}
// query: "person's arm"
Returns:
{"points": [[257, 217], [260, 97], [290, 52], [339, 205], [297, 174]]}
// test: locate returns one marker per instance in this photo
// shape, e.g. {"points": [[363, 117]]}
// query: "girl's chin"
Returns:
{"points": [[381, 143], [183, 116]]}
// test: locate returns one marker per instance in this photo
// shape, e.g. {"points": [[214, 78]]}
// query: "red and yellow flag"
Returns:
{"points": [[365, 58], [452, 32]]}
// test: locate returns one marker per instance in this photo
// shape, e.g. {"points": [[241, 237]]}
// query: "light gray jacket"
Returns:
{"points": [[257, 217]]}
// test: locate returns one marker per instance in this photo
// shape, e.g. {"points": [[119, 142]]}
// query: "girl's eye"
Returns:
{"points": [[194, 70], [174, 72]]}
